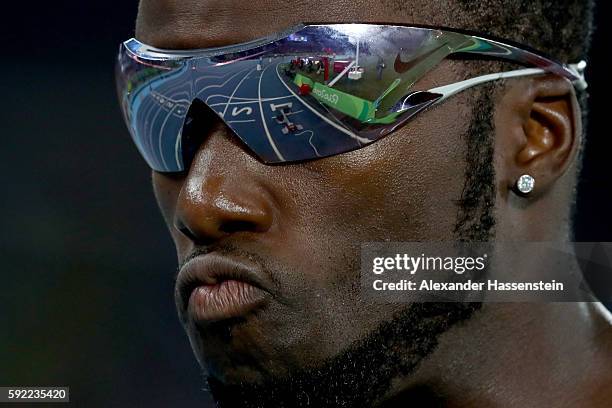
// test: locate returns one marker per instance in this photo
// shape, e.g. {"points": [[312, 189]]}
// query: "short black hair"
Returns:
{"points": [[475, 219], [561, 29]]}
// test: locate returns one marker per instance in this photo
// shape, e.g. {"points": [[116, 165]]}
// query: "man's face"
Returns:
{"points": [[298, 227]]}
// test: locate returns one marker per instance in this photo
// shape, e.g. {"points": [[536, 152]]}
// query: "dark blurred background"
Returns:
{"points": [[87, 266]]}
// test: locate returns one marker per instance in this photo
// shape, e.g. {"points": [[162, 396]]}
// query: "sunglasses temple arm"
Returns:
{"points": [[496, 49], [452, 89], [578, 70]]}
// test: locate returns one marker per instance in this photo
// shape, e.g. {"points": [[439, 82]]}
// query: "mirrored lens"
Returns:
{"points": [[318, 91], [154, 98]]}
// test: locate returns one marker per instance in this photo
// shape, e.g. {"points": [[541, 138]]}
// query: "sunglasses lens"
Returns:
{"points": [[320, 91], [154, 99]]}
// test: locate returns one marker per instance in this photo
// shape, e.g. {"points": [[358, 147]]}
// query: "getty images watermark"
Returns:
{"points": [[493, 272]]}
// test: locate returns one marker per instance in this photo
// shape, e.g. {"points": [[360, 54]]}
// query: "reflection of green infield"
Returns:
{"points": [[336, 97], [380, 86]]}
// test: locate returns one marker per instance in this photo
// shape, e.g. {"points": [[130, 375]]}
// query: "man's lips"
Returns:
{"points": [[230, 298], [213, 287]]}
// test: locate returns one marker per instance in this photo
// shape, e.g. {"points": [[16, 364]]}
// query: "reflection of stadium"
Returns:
{"points": [[319, 90], [355, 91], [249, 101], [353, 82]]}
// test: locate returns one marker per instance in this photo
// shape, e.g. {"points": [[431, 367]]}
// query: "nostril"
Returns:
{"points": [[237, 226], [187, 232], [206, 232], [201, 239], [208, 210]]}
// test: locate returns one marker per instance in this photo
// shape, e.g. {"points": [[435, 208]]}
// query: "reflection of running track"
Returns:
{"points": [[247, 99]]}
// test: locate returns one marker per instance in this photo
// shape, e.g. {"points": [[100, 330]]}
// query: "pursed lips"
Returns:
{"points": [[212, 287]]}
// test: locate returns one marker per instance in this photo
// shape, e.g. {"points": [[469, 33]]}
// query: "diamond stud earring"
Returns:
{"points": [[525, 184]]}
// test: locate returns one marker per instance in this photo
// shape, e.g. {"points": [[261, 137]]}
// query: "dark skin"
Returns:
{"points": [[304, 223]]}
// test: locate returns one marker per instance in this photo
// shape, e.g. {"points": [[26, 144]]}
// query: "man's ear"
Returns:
{"points": [[539, 131]]}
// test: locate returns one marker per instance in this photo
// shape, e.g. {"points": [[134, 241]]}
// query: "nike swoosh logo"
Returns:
{"points": [[400, 66]]}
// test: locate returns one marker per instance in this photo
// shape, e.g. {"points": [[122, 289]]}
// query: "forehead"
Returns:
{"points": [[209, 23]]}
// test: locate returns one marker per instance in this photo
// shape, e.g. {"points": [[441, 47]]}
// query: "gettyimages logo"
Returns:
{"points": [[414, 264], [486, 272]]}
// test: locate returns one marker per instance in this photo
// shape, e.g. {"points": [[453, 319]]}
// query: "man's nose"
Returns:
{"points": [[223, 193]]}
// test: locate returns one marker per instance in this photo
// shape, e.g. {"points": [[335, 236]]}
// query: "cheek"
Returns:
{"points": [[403, 187], [166, 191]]}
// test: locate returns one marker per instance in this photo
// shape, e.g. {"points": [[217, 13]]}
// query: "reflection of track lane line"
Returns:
{"points": [[173, 91], [263, 119], [155, 109], [146, 141], [170, 111], [144, 109], [332, 116], [143, 113], [165, 98], [288, 114], [241, 121], [244, 101], [343, 130], [161, 131], [310, 141], [149, 111], [158, 135], [229, 72], [229, 101], [175, 88], [170, 88], [221, 85], [178, 146], [177, 98], [149, 85]]}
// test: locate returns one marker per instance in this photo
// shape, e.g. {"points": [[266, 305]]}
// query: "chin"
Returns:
{"points": [[238, 352]]}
